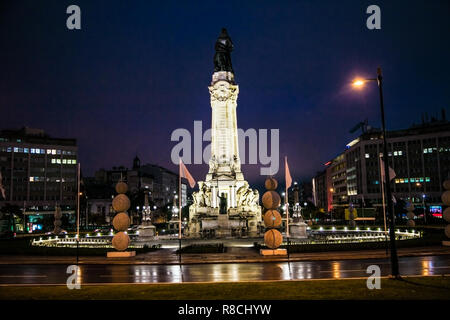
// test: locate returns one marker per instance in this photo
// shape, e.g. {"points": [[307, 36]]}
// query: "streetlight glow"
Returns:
{"points": [[358, 83]]}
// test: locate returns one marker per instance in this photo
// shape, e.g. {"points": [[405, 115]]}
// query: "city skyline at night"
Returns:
{"points": [[134, 74]]}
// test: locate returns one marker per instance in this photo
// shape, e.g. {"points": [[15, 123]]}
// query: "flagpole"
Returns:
{"points": [[384, 206], [78, 208], [179, 202], [382, 197], [286, 202]]}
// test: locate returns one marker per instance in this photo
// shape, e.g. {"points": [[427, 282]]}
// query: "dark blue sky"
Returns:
{"points": [[140, 69]]}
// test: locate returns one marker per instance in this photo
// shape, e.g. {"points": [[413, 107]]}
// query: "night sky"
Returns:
{"points": [[137, 70]]}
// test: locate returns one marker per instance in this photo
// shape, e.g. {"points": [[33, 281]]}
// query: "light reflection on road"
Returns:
{"points": [[56, 274]]}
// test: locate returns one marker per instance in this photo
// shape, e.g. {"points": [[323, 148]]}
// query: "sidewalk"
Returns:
{"points": [[234, 255]]}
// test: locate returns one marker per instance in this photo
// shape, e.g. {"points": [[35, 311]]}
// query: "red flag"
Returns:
{"points": [[287, 174], [184, 173]]}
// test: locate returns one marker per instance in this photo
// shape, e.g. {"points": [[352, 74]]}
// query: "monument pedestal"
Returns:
{"points": [[297, 230], [147, 231], [273, 252], [120, 254], [223, 229]]}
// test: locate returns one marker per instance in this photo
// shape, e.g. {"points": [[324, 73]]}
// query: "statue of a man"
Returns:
{"points": [[222, 57], [222, 204]]}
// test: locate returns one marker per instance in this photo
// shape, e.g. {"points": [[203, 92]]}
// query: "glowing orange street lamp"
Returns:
{"points": [[358, 83]]}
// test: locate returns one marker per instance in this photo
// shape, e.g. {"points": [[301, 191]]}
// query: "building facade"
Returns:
{"points": [[420, 157], [38, 171], [160, 184]]}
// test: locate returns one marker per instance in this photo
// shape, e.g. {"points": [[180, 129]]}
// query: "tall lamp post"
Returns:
{"points": [[394, 258]]}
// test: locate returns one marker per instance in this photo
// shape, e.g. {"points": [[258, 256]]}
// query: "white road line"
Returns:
{"points": [[23, 276], [207, 282]]}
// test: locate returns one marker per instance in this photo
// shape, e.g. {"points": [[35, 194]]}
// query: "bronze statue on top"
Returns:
{"points": [[222, 57]]}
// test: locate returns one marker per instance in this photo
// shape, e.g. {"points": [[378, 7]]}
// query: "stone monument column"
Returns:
{"points": [[209, 214]]}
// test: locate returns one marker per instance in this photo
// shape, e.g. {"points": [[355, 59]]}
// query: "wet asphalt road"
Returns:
{"points": [[56, 274]]}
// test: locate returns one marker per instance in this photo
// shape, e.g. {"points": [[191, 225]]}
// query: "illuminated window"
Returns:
{"points": [[25, 150], [64, 161], [16, 149], [49, 151], [367, 156], [58, 161], [31, 179]]}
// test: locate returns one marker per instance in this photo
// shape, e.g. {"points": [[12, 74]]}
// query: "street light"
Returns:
{"points": [[394, 257], [423, 203], [358, 82]]}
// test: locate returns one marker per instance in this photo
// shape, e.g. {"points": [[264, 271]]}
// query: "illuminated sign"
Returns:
{"points": [[436, 211]]}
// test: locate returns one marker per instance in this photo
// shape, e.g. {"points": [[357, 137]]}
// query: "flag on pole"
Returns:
{"points": [[287, 174], [2, 189], [392, 173], [184, 173]]}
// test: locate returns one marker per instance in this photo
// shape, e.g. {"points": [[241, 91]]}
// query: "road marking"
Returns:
{"points": [[206, 282], [337, 270], [23, 276]]}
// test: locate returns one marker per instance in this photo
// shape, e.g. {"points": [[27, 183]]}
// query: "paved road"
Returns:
{"points": [[56, 274]]}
